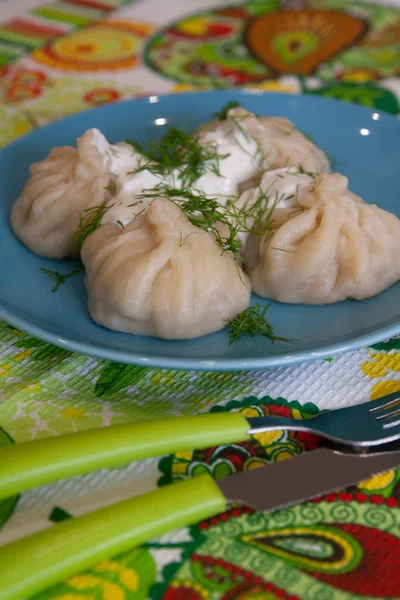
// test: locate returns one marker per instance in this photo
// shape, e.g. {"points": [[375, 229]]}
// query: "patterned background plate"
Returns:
{"points": [[363, 144]]}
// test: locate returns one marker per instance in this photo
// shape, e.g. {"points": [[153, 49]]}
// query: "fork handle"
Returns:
{"points": [[24, 466], [31, 564]]}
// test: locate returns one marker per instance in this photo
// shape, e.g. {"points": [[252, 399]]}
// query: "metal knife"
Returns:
{"points": [[38, 561]]}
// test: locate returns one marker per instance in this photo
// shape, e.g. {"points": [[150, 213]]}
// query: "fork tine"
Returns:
{"points": [[387, 415], [385, 402], [391, 424]]}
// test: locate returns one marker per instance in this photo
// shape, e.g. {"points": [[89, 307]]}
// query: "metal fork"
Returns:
{"points": [[367, 424], [41, 461]]}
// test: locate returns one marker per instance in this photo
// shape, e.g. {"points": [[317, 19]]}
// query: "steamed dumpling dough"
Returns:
{"points": [[161, 276], [292, 147], [69, 180], [339, 247]]}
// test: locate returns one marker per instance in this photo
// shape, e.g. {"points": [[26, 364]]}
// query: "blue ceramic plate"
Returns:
{"points": [[363, 144]]}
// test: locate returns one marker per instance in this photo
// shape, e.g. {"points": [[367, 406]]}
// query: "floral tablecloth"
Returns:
{"points": [[69, 55]]}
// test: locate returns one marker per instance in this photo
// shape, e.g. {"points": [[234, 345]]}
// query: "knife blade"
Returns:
{"points": [[311, 474], [29, 565]]}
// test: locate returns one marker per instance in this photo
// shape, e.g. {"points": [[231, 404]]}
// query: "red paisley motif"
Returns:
{"points": [[181, 592], [378, 574]]}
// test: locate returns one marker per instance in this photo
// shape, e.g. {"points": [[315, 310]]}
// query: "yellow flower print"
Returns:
{"points": [[378, 482], [4, 370], [23, 355], [383, 388], [268, 437], [111, 591], [83, 582], [127, 576], [255, 463], [184, 455], [31, 387], [20, 128], [116, 579], [162, 378], [195, 26], [250, 412], [380, 366], [129, 579], [73, 414]]}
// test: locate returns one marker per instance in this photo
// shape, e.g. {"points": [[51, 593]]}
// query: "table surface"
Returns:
{"points": [[62, 57]]}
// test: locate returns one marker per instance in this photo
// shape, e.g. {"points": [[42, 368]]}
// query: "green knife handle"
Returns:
{"points": [[24, 466], [38, 561]]}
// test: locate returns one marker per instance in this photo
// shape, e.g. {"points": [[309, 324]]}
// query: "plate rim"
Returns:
{"points": [[187, 364], [181, 363]]}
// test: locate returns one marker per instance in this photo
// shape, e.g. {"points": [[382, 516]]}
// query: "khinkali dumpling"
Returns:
{"points": [[292, 147], [69, 180], [162, 276], [277, 140], [338, 247]]}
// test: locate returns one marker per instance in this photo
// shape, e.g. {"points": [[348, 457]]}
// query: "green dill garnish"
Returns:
{"points": [[252, 322], [136, 146], [282, 249], [60, 278], [180, 151], [222, 114], [256, 214], [302, 171], [283, 130], [181, 242], [203, 212], [120, 223], [88, 223]]}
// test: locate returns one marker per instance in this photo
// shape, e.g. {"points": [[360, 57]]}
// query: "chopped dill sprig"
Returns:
{"points": [[282, 250], [222, 114], [256, 214], [302, 171], [60, 278], [88, 223], [136, 146], [252, 322], [180, 151], [203, 212], [120, 223]]}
